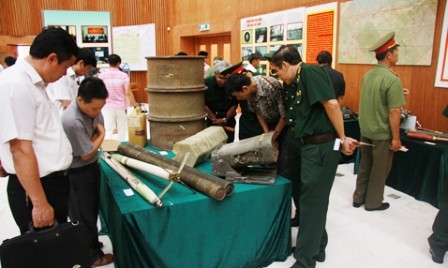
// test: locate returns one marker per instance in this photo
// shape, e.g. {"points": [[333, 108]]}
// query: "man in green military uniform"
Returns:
{"points": [[220, 106], [316, 135], [379, 121]]}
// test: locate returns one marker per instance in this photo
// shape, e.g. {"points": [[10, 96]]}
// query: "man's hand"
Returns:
{"points": [[395, 145], [43, 215], [349, 145]]}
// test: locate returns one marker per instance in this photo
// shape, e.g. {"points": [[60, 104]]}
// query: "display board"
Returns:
{"points": [[134, 44], [363, 22], [89, 28], [309, 29], [442, 63]]}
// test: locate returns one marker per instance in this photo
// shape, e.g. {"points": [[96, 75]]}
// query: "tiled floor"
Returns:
{"points": [[395, 238]]}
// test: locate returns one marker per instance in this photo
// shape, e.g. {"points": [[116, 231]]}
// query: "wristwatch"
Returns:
{"points": [[224, 120]]}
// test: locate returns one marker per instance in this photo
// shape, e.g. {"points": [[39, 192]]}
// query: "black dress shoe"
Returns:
{"points": [[438, 258], [383, 206], [357, 205], [320, 257], [295, 221]]}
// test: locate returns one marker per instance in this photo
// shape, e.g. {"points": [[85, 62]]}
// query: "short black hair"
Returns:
{"points": [[324, 57], [254, 56], [181, 53], [10, 61], [87, 56], [287, 53], [236, 82], [54, 40], [114, 59], [92, 88], [203, 53]]}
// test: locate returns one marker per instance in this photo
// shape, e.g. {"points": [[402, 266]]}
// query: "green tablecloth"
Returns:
{"points": [[251, 228], [421, 172]]}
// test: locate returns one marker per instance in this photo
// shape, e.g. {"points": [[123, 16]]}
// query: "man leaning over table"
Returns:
{"points": [[315, 120]]}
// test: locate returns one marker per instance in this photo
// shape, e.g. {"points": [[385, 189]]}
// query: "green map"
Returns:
{"points": [[363, 22]]}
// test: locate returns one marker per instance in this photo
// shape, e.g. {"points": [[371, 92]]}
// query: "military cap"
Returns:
{"points": [[236, 68], [384, 44], [445, 112]]}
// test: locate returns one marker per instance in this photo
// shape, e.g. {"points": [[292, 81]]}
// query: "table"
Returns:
{"points": [[421, 172], [251, 228]]}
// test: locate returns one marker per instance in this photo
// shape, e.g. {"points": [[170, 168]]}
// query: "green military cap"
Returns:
{"points": [[236, 68], [384, 44], [445, 112]]}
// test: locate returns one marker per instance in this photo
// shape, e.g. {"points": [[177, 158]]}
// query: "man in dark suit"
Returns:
{"points": [[324, 59]]}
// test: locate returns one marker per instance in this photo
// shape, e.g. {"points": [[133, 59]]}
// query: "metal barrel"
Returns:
{"points": [[176, 99]]}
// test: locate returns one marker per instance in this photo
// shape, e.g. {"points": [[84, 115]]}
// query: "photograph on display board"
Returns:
{"points": [[262, 69], [294, 31], [94, 34], [101, 54], [261, 35], [71, 29], [262, 50], [273, 48], [246, 52], [299, 48], [247, 36], [277, 33]]}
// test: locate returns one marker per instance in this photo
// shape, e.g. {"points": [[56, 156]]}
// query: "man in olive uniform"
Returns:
{"points": [[220, 106], [316, 135], [379, 121]]}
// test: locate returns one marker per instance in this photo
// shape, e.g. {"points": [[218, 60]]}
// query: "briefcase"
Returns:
{"points": [[60, 246]]}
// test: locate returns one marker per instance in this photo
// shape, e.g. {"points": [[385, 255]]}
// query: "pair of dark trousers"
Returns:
{"points": [[319, 163], [438, 241], [292, 169], [56, 188], [375, 165], [84, 203]]}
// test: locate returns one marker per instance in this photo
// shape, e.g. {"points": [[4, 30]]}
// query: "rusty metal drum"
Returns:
{"points": [[176, 99]]}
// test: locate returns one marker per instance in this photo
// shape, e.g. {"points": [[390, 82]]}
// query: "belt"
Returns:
{"points": [[53, 174], [318, 139], [57, 174], [83, 168]]}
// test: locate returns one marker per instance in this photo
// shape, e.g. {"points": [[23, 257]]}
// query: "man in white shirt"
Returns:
{"points": [[65, 90], [254, 62], [34, 149]]}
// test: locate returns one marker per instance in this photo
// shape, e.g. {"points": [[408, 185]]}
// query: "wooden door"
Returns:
{"points": [[215, 46]]}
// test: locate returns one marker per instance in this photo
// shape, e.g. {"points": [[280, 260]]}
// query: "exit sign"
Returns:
{"points": [[204, 27]]}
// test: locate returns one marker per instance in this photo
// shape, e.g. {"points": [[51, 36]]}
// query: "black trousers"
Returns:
{"points": [[439, 238], [84, 202], [56, 188], [292, 169]]}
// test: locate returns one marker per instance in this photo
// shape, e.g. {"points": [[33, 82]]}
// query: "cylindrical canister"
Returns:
{"points": [[137, 127], [176, 99]]}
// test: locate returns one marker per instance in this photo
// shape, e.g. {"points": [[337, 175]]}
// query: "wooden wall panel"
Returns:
{"points": [[23, 19], [184, 16], [426, 101]]}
